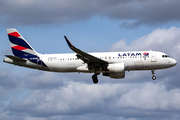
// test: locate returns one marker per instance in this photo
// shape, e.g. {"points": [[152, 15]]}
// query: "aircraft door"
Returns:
{"points": [[153, 57]]}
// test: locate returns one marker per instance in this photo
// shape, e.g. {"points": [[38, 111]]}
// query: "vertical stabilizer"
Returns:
{"points": [[19, 45]]}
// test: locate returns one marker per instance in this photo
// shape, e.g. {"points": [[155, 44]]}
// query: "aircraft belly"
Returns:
{"points": [[142, 65], [63, 66], [137, 65]]}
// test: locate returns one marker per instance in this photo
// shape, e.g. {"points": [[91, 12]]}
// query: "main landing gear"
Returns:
{"points": [[153, 77], [95, 79]]}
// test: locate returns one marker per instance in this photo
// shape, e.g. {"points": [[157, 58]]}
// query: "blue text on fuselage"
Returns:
{"points": [[129, 54]]}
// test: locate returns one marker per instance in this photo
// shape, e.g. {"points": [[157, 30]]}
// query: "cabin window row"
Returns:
{"points": [[124, 57], [61, 59]]}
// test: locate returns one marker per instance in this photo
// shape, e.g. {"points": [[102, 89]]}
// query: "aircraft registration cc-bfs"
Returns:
{"points": [[111, 64]]}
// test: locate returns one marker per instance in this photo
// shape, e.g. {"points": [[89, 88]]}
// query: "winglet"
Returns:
{"points": [[68, 42]]}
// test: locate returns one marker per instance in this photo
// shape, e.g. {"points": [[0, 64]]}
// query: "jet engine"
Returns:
{"points": [[116, 70]]}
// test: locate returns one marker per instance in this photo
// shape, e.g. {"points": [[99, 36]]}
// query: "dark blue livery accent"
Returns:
{"points": [[18, 41]]}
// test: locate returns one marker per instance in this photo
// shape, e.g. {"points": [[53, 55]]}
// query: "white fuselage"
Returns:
{"points": [[69, 62], [118, 62], [134, 60]]}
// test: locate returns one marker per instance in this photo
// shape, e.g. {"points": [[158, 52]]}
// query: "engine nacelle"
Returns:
{"points": [[116, 70]]}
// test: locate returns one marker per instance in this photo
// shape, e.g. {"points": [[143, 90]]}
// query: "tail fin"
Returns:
{"points": [[19, 45]]}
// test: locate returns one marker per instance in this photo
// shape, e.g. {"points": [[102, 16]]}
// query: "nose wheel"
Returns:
{"points": [[153, 77], [95, 79]]}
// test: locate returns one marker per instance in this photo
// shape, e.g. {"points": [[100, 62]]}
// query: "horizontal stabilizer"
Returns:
{"points": [[15, 58]]}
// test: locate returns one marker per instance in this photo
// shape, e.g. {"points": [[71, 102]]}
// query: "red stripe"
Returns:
{"points": [[19, 47], [15, 34]]}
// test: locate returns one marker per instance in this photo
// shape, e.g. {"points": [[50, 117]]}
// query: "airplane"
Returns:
{"points": [[110, 64]]}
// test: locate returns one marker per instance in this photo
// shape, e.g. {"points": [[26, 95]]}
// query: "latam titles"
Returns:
{"points": [[129, 54]]}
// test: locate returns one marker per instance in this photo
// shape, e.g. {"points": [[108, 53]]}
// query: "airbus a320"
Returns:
{"points": [[111, 64]]}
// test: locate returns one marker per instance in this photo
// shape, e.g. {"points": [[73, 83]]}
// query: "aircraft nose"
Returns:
{"points": [[174, 62]]}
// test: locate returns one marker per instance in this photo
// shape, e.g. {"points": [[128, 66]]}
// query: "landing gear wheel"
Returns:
{"points": [[95, 79], [153, 77]]}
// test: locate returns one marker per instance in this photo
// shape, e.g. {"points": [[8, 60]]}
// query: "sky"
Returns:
{"points": [[101, 25]]}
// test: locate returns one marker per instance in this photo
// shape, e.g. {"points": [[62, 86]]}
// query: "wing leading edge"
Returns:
{"points": [[87, 58]]}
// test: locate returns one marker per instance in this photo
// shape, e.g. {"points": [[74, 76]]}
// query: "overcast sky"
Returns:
{"points": [[101, 25]]}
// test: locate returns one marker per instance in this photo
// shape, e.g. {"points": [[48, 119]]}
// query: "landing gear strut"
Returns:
{"points": [[153, 77], [95, 79]]}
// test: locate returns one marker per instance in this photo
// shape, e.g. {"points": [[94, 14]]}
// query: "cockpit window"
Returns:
{"points": [[165, 56]]}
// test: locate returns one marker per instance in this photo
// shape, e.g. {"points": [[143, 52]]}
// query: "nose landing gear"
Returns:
{"points": [[153, 77]]}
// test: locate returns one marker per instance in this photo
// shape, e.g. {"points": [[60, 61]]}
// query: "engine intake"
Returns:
{"points": [[116, 70]]}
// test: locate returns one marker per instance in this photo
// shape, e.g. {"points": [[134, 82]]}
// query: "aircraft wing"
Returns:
{"points": [[87, 58]]}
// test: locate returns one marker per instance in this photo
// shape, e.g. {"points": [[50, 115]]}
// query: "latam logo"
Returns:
{"points": [[146, 54], [129, 54]]}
